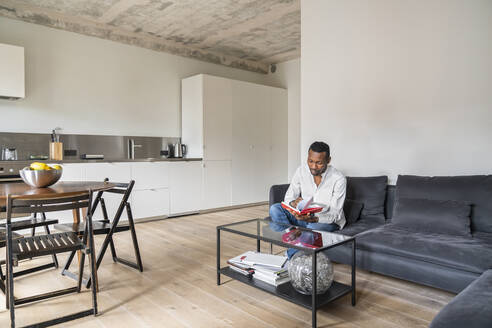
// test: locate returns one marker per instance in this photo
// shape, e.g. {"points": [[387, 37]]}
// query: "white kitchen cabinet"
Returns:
{"points": [[251, 126], [216, 186], [12, 75], [73, 172], [217, 118], [117, 172], [185, 186], [207, 116], [150, 203], [192, 115], [240, 122], [150, 175]]}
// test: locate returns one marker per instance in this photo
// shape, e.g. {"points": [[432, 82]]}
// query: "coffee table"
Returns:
{"points": [[270, 232]]}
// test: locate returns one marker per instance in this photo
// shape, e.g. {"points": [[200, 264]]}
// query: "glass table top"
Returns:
{"points": [[286, 235]]}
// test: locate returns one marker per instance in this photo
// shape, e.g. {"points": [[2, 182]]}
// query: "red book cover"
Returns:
{"points": [[310, 239], [305, 211]]}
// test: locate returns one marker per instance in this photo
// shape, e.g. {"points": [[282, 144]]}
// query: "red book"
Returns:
{"points": [[307, 210]]}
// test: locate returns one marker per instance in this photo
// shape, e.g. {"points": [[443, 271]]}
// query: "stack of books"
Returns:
{"points": [[261, 266]]}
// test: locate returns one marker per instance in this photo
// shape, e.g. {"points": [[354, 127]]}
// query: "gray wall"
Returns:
{"points": [[399, 86], [92, 86]]}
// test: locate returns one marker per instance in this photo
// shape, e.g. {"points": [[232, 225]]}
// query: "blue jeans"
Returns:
{"points": [[282, 216]]}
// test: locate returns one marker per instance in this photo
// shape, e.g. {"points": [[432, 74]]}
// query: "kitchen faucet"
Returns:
{"points": [[131, 148]]}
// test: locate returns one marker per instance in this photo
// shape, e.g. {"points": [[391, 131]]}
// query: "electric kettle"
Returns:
{"points": [[178, 150]]}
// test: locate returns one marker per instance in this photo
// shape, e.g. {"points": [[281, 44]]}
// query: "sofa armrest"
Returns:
{"points": [[277, 193], [471, 308]]}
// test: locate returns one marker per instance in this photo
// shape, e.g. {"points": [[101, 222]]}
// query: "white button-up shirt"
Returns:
{"points": [[330, 194]]}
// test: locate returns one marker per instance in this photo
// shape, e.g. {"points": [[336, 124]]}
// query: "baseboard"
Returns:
{"points": [[210, 210], [235, 207]]}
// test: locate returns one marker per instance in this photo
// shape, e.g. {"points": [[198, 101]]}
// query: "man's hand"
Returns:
{"points": [[295, 202], [306, 218]]}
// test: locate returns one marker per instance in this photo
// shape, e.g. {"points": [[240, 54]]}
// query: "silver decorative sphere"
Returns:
{"points": [[300, 271]]}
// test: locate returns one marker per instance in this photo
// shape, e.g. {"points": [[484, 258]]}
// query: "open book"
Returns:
{"points": [[304, 207]]}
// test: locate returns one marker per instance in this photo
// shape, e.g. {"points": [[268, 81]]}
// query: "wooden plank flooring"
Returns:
{"points": [[178, 287]]}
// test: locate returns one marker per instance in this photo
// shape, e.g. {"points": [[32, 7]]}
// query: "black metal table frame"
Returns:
{"points": [[312, 251]]}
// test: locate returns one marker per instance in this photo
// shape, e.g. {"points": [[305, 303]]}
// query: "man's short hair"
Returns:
{"points": [[320, 147]]}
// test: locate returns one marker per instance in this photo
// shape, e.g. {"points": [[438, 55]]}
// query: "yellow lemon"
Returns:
{"points": [[56, 167], [38, 166]]}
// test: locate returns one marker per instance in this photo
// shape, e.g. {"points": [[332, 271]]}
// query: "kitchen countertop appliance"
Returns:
{"points": [[9, 172], [177, 150], [9, 154]]}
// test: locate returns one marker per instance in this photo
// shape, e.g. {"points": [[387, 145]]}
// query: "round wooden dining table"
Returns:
{"points": [[64, 188]]}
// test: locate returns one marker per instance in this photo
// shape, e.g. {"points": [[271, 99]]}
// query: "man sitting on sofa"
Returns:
{"points": [[321, 181]]}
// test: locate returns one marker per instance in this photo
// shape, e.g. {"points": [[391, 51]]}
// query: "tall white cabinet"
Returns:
{"points": [[240, 131]]}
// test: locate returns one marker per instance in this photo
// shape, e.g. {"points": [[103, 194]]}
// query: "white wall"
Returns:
{"points": [[398, 86], [288, 75], [88, 85]]}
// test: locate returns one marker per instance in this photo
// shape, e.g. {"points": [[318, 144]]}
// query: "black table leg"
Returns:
{"points": [[353, 272], [218, 257], [314, 291], [258, 236]]}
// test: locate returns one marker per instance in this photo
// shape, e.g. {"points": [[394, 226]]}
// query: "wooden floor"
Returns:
{"points": [[178, 287]]}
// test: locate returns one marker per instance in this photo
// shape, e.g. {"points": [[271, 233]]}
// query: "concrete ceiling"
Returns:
{"points": [[246, 34]]}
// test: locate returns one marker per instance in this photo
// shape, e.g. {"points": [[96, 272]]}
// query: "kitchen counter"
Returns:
{"points": [[123, 160]]}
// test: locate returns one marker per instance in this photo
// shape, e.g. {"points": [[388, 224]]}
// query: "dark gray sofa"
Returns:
{"points": [[426, 254], [446, 261], [471, 308]]}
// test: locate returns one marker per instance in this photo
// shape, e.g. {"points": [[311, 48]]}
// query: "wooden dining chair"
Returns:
{"points": [[31, 223], [108, 227], [48, 244], [3, 243]]}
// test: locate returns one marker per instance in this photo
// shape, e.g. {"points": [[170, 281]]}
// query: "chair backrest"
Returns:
{"points": [[120, 187], [28, 204], [124, 189]]}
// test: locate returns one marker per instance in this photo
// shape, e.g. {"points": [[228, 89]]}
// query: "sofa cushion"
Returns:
{"points": [[472, 308], [359, 226], [458, 252], [352, 210], [389, 202], [475, 189], [371, 191], [435, 216]]}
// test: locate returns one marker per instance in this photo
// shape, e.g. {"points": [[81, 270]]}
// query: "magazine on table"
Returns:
{"points": [[245, 272], [275, 280], [261, 266], [254, 258]]}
